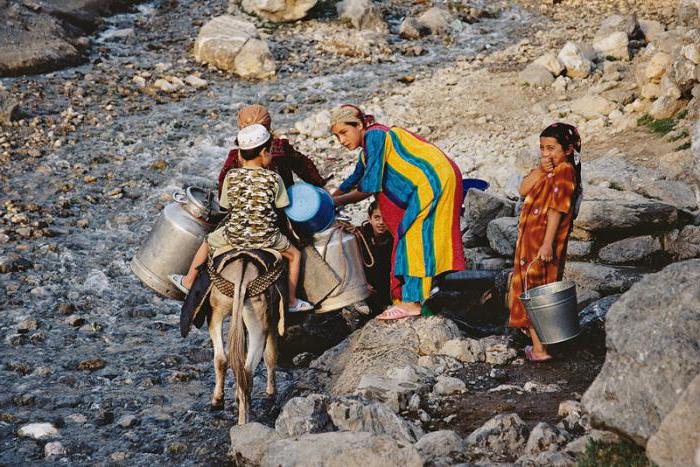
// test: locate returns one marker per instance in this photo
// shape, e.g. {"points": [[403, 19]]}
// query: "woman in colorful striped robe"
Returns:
{"points": [[419, 191]]}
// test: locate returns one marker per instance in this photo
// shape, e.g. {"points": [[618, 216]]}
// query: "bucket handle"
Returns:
{"points": [[527, 273], [180, 197]]}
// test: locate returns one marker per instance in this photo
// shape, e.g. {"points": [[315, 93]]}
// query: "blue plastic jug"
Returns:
{"points": [[310, 208]]}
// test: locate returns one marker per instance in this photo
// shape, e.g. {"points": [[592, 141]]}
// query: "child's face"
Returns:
{"points": [[552, 150], [377, 222], [348, 135]]}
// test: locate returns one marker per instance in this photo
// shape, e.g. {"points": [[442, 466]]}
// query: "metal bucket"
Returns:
{"points": [[342, 253], [552, 309], [176, 235]]}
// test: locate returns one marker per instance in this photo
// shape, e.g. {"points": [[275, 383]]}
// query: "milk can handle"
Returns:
{"points": [[180, 197]]}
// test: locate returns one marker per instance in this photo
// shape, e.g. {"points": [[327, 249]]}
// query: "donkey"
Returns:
{"points": [[251, 314]]}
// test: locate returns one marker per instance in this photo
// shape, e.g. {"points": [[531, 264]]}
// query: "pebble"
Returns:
{"points": [[54, 449], [27, 325], [127, 421], [38, 431], [75, 321]]}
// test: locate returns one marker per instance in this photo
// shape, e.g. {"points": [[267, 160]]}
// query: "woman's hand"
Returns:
{"points": [[546, 252]]}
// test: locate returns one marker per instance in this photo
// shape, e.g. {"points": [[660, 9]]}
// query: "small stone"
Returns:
{"points": [[532, 386], [65, 308], [54, 449], [127, 421], [92, 364], [573, 59], [536, 75], [139, 81], [551, 63], [75, 321], [447, 385], [27, 325], [196, 82]]}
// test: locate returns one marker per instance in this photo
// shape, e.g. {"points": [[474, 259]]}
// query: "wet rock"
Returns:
{"points": [[14, 263], [361, 14], [642, 379], [92, 364], [502, 234], [551, 63], [53, 450], [480, 208], [596, 312], [678, 437], [601, 278], [630, 250], [341, 448], [396, 394], [38, 431], [536, 75], [279, 11], [27, 325], [127, 421], [464, 350], [232, 44], [440, 447], [75, 321], [615, 44], [683, 243], [573, 59], [437, 20], [545, 437], [447, 385], [355, 414], [502, 438], [578, 446], [65, 308], [249, 442], [592, 106], [303, 415]]}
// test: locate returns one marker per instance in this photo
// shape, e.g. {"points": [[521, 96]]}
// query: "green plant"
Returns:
{"points": [[610, 58], [624, 454], [683, 146], [682, 114], [661, 126]]}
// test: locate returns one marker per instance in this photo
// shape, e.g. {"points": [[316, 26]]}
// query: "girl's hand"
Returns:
{"points": [[546, 253], [547, 164]]}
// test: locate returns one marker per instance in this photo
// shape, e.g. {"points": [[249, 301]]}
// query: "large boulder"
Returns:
{"points": [[361, 14], [233, 44], [596, 312], [627, 24], [341, 448], [602, 278], [630, 250], [249, 442], [440, 447], [677, 442], [615, 45], [652, 335], [634, 214], [357, 414], [503, 235], [536, 75], [302, 415], [545, 437], [435, 21], [279, 11], [550, 62], [480, 208], [373, 349], [592, 106]]}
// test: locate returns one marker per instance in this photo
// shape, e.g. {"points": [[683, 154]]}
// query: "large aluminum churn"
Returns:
{"points": [[552, 309], [176, 235], [341, 252]]}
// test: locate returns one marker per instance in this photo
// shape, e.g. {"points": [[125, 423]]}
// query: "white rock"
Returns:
{"points": [[316, 126], [447, 385], [464, 350], [54, 449], [664, 107], [536, 75], [692, 53], [165, 86], [669, 88], [576, 64], [651, 91], [279, 10], [551, 63], [361, 14], [438, 20], [196, 82], [533, 386], [560, 84], [657, 66], [38, 431], [439, 447], [591, 107], [614, 45], [139, 81], [255, 60], [651, 29]]}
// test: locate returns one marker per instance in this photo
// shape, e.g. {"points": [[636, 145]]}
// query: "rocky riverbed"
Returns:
{"points": [[91, 154]]}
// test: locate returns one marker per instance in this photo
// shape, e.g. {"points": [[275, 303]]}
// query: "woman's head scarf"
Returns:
{"points": [[254, 114], [348, 113]]}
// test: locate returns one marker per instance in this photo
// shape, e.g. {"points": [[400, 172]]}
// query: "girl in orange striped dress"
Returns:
{"points": [[552, 192]]}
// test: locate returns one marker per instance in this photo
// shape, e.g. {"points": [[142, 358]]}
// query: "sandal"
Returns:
{"points": [[531, 356], [396, 312], [176, 279], [301, 305]]}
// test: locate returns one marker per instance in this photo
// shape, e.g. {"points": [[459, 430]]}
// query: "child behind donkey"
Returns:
{"points": [[251, 193], [552, 192]]}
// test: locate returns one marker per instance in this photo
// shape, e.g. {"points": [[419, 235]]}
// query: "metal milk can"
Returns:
{"points": [[340, 250], [176, 235]]}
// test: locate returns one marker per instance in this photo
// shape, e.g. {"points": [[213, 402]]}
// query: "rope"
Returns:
{"points": [[256, 287]]}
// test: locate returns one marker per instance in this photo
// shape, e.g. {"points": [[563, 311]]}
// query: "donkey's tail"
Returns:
{"points": [[236, 335]]}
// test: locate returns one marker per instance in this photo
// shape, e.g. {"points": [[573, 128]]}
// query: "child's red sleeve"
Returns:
{"points": [[564, 181]]}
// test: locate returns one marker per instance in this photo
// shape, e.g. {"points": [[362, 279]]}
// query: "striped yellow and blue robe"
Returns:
{"points": [[419, 191]]}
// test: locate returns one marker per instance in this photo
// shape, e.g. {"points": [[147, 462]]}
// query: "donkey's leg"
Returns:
{"points": [[256, 345], [271, 361], [216, 324]]}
